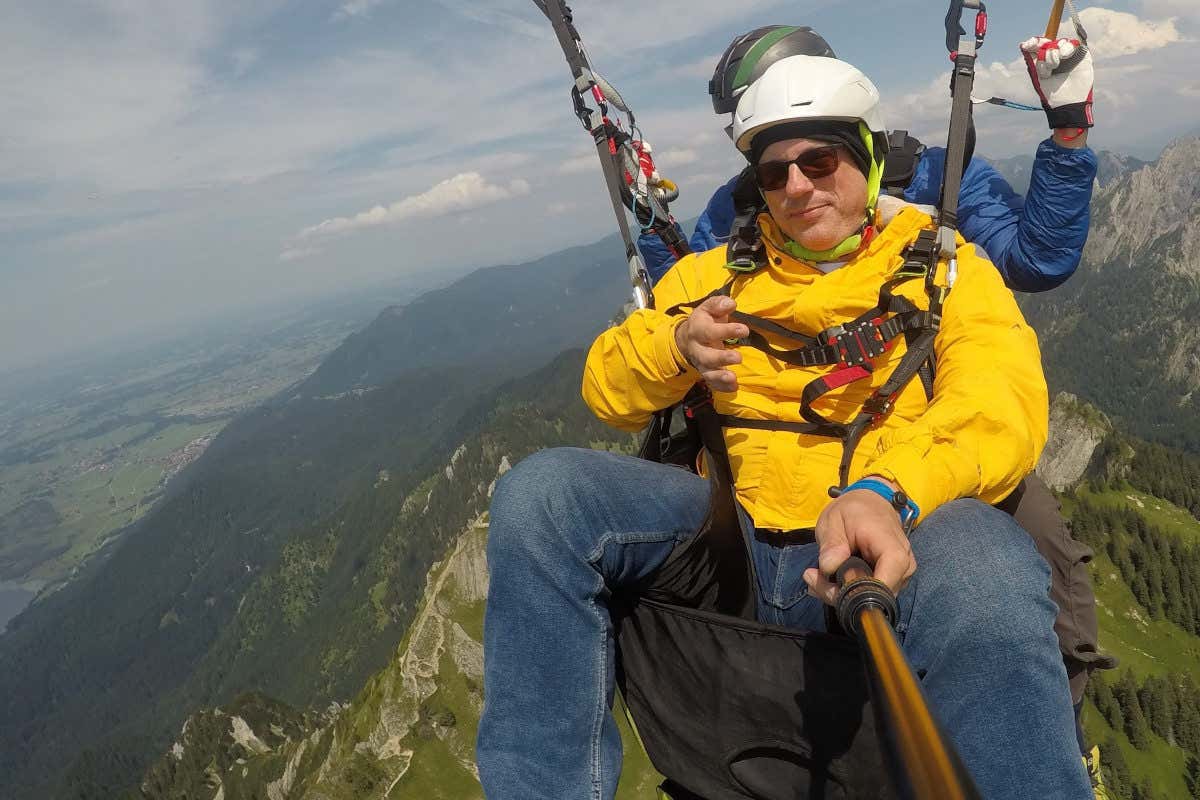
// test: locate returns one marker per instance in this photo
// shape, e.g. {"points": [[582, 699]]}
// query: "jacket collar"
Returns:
{"points": [[897, 224]]}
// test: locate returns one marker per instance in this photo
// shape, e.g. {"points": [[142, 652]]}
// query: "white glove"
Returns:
{"points": [[1062, 75]]}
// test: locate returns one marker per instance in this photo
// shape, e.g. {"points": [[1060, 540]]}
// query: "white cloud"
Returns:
{"points": [[1185, 9], [560, 207], [1127, 79], [1118, 33], [243, 59], [355, 8], [297, 253], [489, 14], [462, 192], [692, 71], [579, 164], [615, 26], [98, 283], [677, 158]]}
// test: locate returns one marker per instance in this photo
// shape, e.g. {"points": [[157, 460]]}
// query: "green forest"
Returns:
{"points": [[1145, 530]]}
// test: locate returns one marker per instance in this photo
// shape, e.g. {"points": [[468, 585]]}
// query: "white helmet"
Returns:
{"points": [[806, 88]]}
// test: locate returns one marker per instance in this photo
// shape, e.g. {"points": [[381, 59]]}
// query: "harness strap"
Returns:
{"points": [[903, 155], [620, 160], [745, 251], [851, 346], [832, 430], [698, 406]]}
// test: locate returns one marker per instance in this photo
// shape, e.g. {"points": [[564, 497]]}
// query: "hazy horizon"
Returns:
{"points": [[166, 166]]}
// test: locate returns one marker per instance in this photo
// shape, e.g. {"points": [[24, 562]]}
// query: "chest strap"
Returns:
{"points": [[851, 346]]}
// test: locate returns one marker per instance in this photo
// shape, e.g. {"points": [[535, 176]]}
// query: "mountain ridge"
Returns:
{"points": [[295, 517], [179, 577], [1119, 332]]}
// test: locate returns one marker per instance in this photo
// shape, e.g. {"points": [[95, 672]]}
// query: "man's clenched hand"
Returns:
{"points": [[701, 339], [862, 523]]}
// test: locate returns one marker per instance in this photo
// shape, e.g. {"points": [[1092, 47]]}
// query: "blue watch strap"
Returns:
{"points": [[905, 507]]}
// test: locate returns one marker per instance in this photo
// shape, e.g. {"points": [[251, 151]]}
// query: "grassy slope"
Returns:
{"points": [[441, 745], [437, 770], [212, 383], [1148, 647], [97, 485]]}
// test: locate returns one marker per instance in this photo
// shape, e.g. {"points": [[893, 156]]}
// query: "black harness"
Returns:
{"points": [[903, 155], [727, 707], [850, 347]]}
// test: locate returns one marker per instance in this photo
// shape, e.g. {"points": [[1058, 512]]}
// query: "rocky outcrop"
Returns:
{"points": [[1114, 166], [1077, 429], [1121, 331], [405, 716], [216, 748], [1148, 204], [461, 579]]}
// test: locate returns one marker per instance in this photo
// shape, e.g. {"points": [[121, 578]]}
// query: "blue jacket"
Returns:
{"points": [[1035, 241]]}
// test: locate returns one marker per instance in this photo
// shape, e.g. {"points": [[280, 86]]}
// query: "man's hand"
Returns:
{"points": [[701, 339], [862, 523], [1062, 75]]}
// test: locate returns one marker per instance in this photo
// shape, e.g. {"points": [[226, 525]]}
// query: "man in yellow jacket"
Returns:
{"points": [[570, 527]]}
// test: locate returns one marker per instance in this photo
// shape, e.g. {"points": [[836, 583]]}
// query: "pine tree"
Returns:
{"points": [[1126, 692], [1172, 585], [1119, 554], [1155, 699], [1154, 568], [1191, 776], [1141, 591], [1187, 713], [1116, 771]]}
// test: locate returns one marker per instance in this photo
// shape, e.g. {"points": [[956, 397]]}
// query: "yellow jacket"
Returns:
{"points": [[979, 437]]}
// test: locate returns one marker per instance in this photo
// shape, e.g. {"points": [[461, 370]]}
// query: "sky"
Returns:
{"points": [[167, 162]]}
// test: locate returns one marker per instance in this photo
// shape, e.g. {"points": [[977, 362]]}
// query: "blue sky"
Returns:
{"points": [[164, 162]]}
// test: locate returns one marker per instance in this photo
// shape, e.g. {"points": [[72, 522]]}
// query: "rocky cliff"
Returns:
{"points": [[1077, 429], [1121, 331], [416, 716]]}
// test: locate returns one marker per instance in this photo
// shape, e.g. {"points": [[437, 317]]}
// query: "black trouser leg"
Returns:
{"points": [[1035, 508]]}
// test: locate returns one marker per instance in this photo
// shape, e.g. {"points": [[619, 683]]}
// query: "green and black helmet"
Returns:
{"points": [[749, 55]]}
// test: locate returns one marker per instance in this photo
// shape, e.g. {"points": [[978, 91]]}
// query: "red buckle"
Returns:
{"points": [[981, 24], [689, 409], [866, 348]]}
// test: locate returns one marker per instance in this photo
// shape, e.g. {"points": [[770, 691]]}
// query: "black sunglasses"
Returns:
{"points": [[820, 162]]}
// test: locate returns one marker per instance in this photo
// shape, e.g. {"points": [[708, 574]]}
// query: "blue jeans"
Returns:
{"points": [[568, 526]]}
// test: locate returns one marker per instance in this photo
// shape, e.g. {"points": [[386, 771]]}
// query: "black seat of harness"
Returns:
{"points": [[729, 708]]}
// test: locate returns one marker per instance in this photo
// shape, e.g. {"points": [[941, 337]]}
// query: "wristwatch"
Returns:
{"points": [[904, 505]]}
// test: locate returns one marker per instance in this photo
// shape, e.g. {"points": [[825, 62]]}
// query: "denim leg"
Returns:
{"points": [[567, 525], [976, 621]]}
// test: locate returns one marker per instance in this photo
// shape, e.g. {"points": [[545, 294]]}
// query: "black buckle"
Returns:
{"points": [[855, 344], [924, 247], [581, 109], [690, 405], [879, 405]]}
